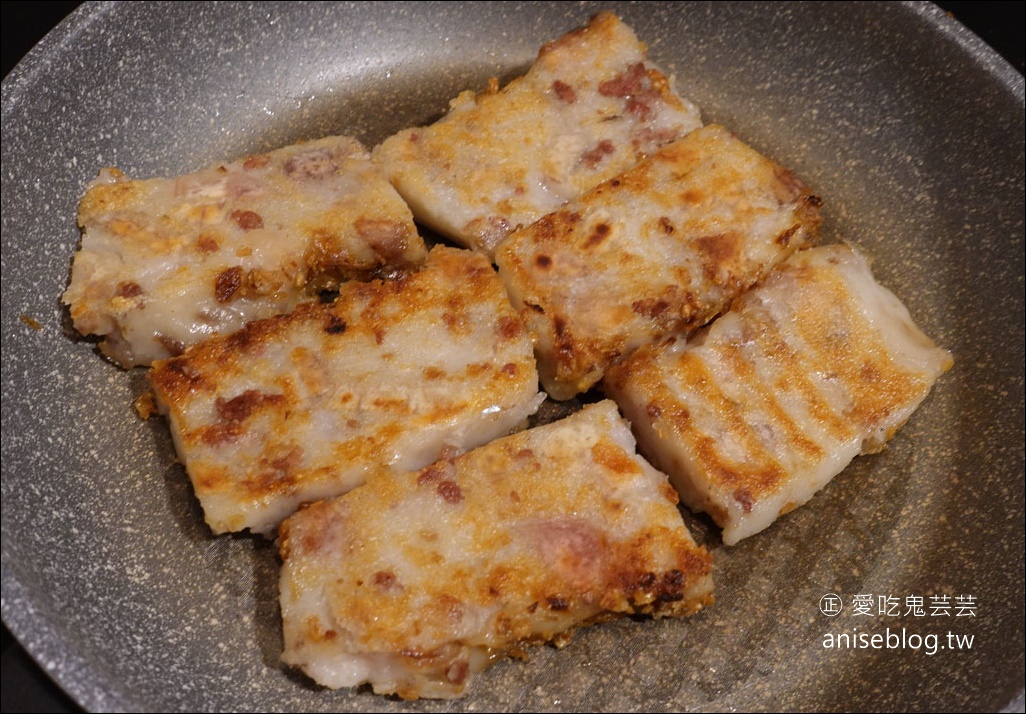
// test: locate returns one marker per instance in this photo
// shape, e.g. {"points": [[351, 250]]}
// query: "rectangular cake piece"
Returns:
{"points": [[760, 410], [660, 249], [416, 583], [302, 406], [589, 108], [165, 263]]}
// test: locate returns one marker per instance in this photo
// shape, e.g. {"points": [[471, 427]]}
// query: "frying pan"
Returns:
{"points": [[909, 128]]}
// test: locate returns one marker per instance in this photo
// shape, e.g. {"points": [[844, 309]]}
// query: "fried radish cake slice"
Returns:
{"points": [[777, 396], [416, 583], [591, 106], [165, 263], [302, 406], [660, 249]]}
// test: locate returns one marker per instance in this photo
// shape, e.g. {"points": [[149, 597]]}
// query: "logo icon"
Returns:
{"points": [[831, 605]]}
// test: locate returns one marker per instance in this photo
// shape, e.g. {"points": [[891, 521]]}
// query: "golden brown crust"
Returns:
{"points": [[329, 391], [774, 398], [165, 263], [659, 249], [590, 107], [517, 542]]}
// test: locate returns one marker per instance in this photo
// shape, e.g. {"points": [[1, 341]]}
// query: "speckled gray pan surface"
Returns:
{"points": [[907, 125]]}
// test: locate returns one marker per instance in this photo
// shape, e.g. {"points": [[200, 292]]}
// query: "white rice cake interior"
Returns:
{"points": [[415, 583], [660, 249], [165, 263], [777, 396], [301, 407], [589, 107]]}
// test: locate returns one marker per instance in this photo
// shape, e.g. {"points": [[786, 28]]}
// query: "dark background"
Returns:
{"points": [[23, 686]]}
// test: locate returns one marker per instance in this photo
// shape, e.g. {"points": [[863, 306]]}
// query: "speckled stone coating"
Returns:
{"points": [[908, 126]]}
